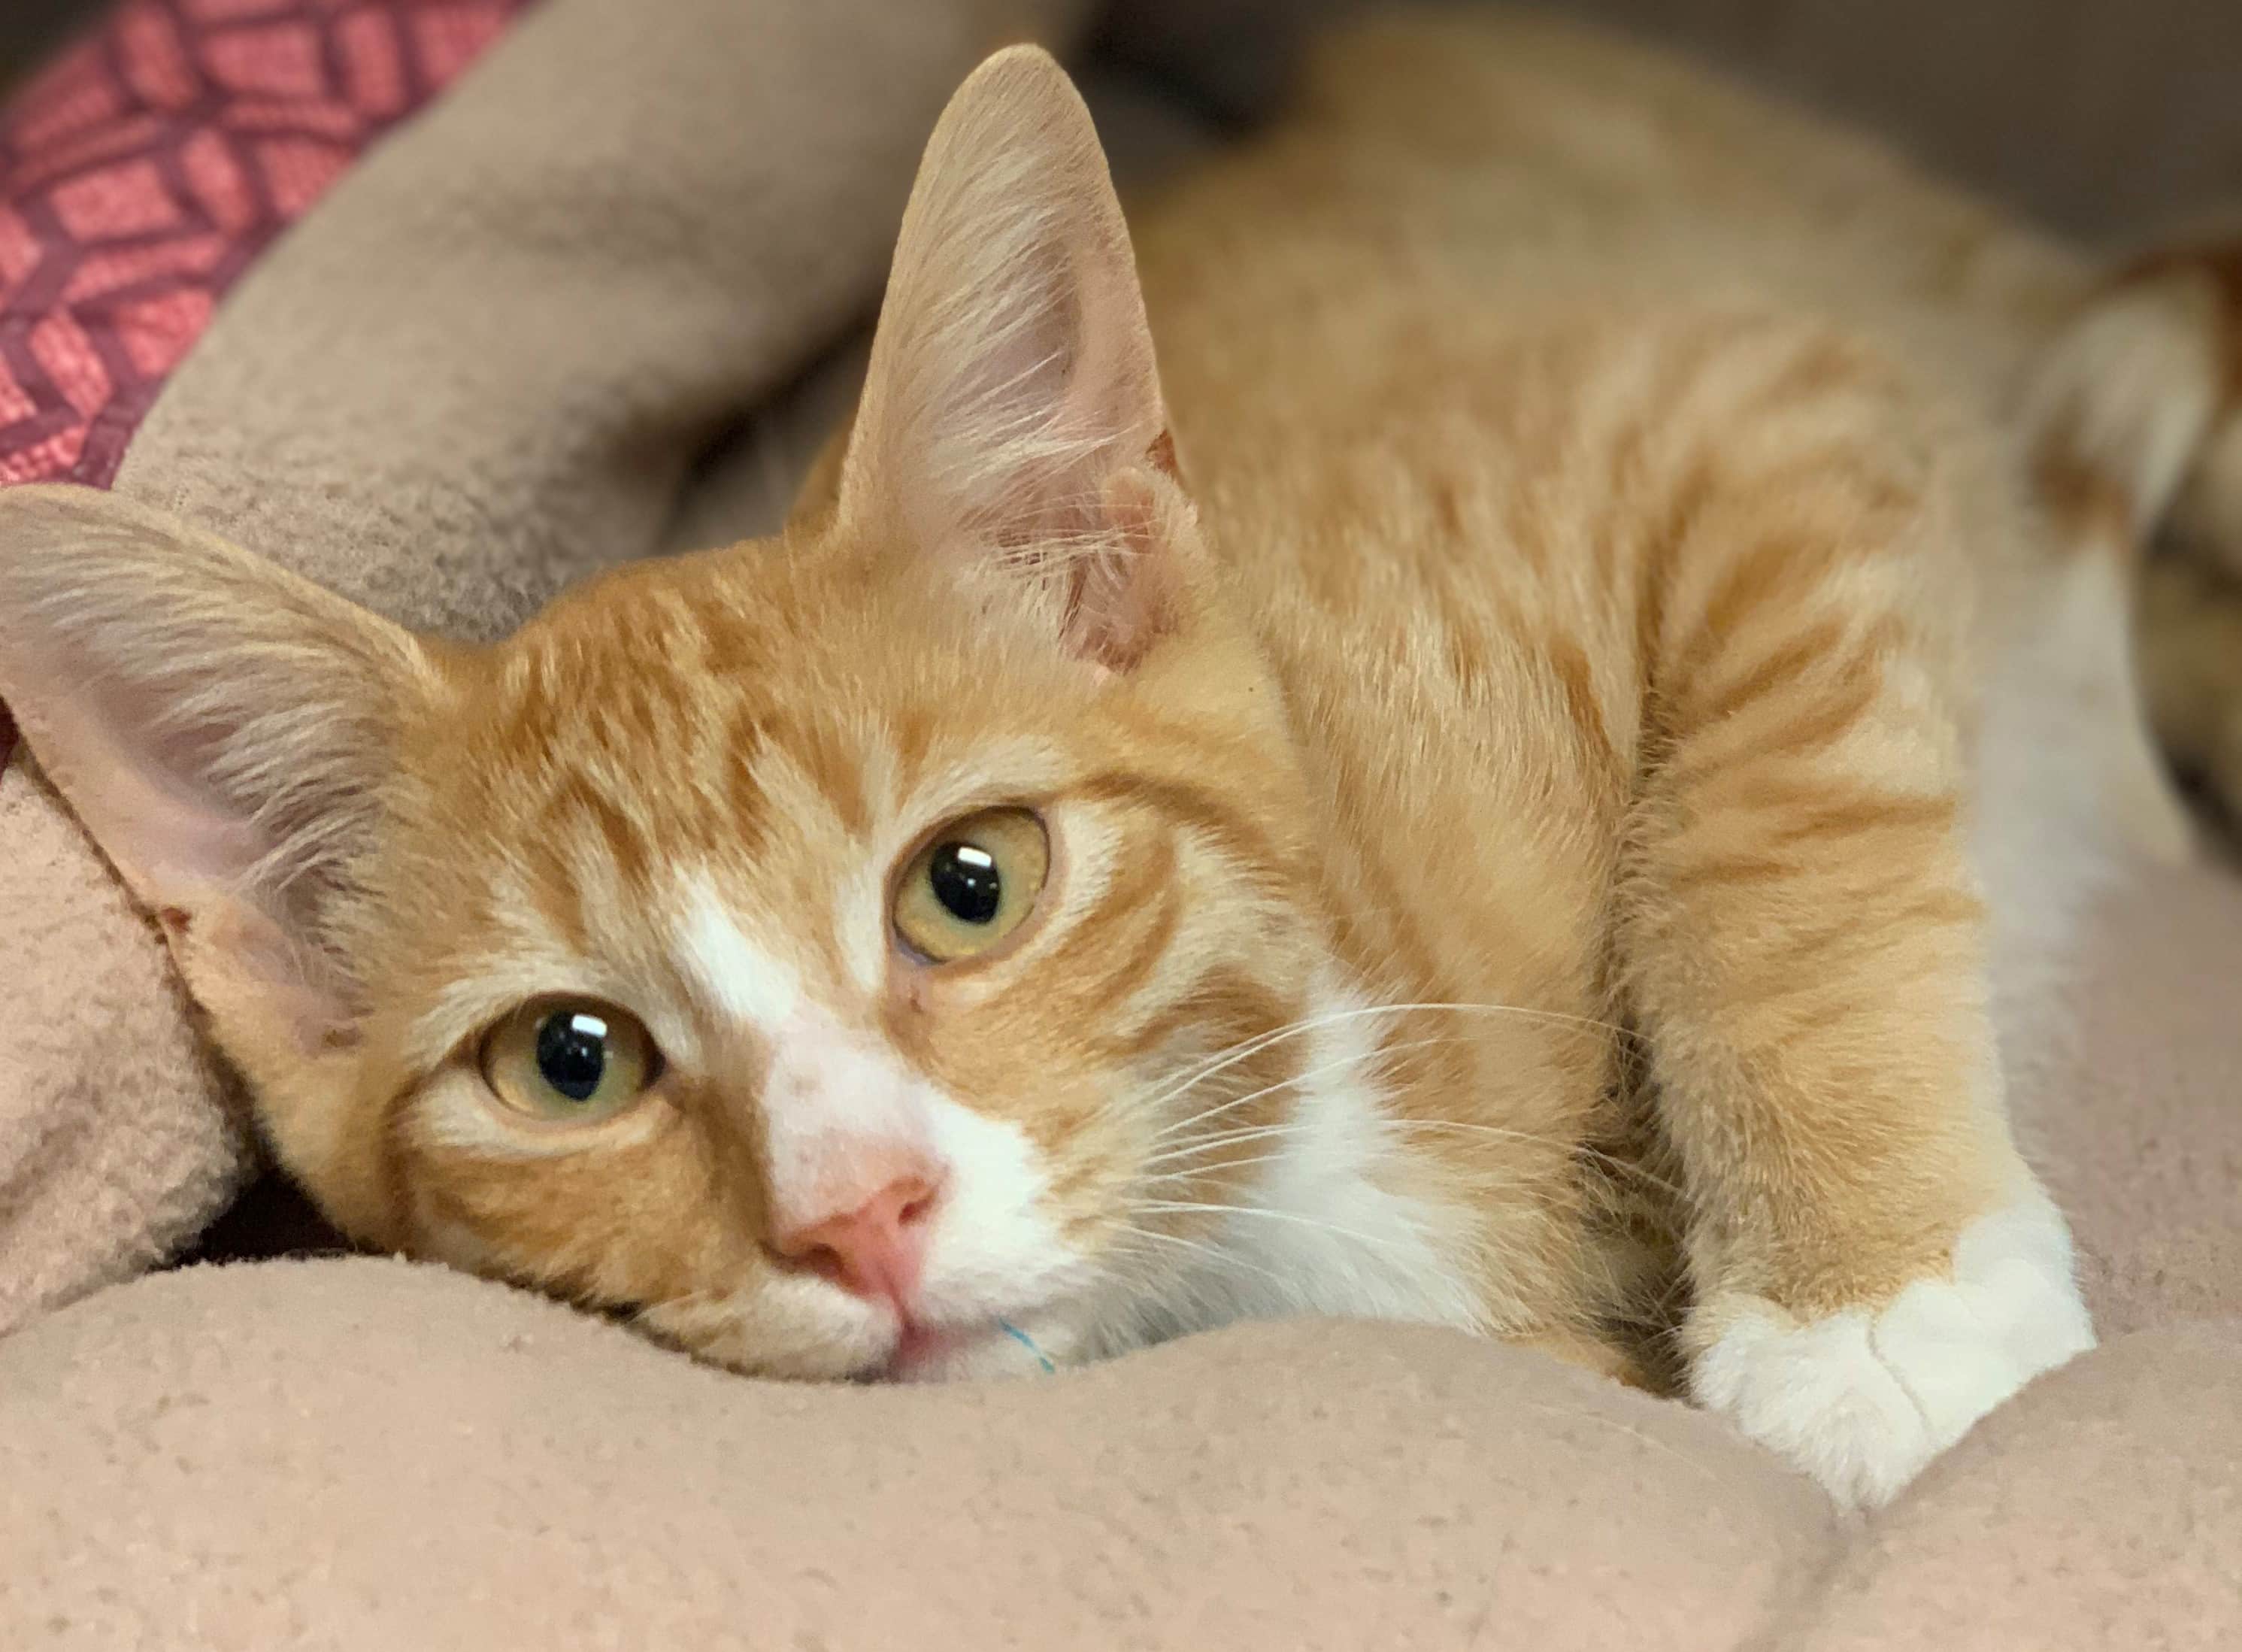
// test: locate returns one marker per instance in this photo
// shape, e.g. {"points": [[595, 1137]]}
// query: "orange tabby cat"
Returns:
{"points": [[1495, 788]]}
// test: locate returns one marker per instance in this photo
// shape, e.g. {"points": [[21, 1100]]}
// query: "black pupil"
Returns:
{"points": [[572, 1054], [965, 882]]}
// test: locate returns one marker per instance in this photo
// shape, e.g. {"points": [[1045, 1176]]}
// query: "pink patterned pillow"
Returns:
{"points": [[144, 170]]}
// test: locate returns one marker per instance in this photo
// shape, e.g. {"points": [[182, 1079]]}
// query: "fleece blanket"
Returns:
{"points": [[443, 302], [373, 1456]]}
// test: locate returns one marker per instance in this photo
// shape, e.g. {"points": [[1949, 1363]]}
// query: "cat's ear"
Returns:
{"points": [[1013, 407], [222, 728]]}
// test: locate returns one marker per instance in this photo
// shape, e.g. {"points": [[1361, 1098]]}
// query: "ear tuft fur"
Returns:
{"points": [[222, 728], [1012, 378]]}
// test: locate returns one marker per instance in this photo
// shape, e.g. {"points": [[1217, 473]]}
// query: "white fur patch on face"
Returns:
{"points": [[738, 977], [844, 1113], [1862, 1399], [842, 1117], [994, 1250], [860, 922]]}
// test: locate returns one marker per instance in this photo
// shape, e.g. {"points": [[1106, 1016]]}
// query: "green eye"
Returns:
{"points": [[569, 1060], [973, 885]]}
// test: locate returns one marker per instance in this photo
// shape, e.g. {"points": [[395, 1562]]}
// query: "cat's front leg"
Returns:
{"points": [[1874, 1266]]}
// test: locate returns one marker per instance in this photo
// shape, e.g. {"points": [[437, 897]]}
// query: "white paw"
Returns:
{"points": [[1864, 1399]]}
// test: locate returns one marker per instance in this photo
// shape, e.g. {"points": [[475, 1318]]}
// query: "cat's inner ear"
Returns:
{"points": [[1012, 408], [222, 729]]}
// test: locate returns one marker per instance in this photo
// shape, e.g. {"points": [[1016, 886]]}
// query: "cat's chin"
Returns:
{"points": [[960, 1353]]}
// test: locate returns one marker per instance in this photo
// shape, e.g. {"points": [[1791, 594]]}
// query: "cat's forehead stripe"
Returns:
{"points": [[736, 976]]}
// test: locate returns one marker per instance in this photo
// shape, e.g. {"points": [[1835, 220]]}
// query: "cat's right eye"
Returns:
{"points": [[569, 1060]]}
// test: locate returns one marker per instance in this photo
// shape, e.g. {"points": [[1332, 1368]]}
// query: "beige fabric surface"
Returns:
{"points": [[2099, 118], [2101, 1511], [480, 368], [544, 1480], [364, 1455], [2102, 117], [2135, 1112], [115, 1144]]}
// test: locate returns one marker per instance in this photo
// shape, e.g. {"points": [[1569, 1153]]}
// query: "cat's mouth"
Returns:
{"points": [[951, 1353], [922, 1350]]}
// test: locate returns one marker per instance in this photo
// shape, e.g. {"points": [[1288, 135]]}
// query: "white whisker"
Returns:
{"points": [[1624, 1169], [1609, 1161], [1221, 1258], [1192, 1174], [1338, 1066], [1226, 1059], [1179, 1206]]}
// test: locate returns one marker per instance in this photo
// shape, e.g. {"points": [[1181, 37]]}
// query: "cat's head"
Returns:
{"points": [[826, 948]]}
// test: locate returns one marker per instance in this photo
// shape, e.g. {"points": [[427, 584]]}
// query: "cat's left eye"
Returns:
{"points": [[569, 1060], [973, 885]]}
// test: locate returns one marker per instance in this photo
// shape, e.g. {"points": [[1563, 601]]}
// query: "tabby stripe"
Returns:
{"points": [[1193, 806]]}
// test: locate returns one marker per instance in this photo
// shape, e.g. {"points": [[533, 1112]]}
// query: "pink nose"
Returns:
{"points": [[877, 1249]]}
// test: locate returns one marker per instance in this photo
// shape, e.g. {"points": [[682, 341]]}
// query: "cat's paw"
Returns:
{"points": [[1864, 1399]]}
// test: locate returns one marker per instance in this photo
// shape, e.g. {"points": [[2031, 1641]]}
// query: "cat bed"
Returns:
{"points": [[371, 1455], [445, 363]]}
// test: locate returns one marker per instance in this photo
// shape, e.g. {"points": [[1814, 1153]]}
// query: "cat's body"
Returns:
{"points": [[1490, 801], [1541, 268], [1533, 388]]}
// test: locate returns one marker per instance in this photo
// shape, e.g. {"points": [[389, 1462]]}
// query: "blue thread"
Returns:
{"points": [[1027, 1342]]}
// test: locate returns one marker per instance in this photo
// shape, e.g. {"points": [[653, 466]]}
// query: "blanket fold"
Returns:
{"points": [[404, 1457]]}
